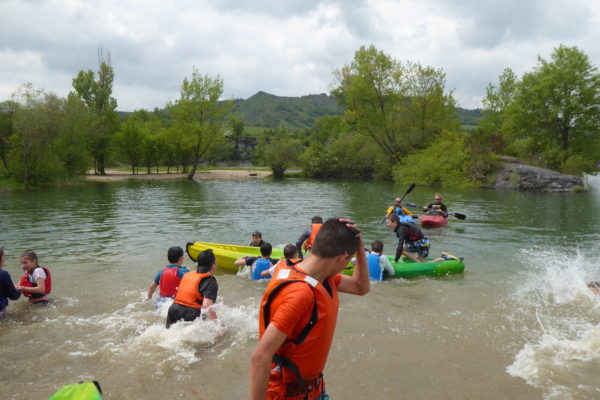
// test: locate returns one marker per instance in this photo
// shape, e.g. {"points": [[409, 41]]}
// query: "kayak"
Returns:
{"points": [[433, 221], [226, 254], [406, 268]]}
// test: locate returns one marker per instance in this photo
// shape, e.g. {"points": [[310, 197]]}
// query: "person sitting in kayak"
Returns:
{"points": [[197, 292], [403, 214], [7, 288], [437, 207], [379, 265], [169, 277], [290, 252], [306, 240], [36, 282], [257, 239], [258, 264]]}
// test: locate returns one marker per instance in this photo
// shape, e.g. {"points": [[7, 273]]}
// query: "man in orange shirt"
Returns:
{"points": [[299, 312]]}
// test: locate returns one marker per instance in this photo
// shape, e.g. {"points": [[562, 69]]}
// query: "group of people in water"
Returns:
{"points": [[299, 307]]}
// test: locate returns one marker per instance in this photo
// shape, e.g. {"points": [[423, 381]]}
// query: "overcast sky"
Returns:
{"points": [[283, 47]]}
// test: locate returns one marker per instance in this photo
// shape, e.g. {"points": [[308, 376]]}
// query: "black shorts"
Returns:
{"points": [[178, 312]]}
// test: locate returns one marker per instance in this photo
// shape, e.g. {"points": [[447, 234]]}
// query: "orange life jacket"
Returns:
{"points": [[313, 234], [188, 294], [27, 283], [169, 282], [302, 359]]}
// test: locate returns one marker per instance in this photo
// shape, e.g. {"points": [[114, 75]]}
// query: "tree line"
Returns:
{"points": [[399, 122]]}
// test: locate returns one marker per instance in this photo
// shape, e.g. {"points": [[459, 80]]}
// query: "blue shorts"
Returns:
{"points": [[421, 247]]}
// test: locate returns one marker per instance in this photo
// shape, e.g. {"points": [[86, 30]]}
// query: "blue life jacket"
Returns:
{"points": [[375, 271], [259, 266], [402, 216]]}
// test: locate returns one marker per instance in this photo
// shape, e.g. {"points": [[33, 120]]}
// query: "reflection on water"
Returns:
{"points": [[521, 307]]}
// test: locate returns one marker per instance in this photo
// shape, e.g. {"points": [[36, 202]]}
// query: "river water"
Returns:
{"points": [[519, 324]]}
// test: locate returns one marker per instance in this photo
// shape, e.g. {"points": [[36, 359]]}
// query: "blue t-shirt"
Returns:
{"points": [[182, 271], [7, 289]]}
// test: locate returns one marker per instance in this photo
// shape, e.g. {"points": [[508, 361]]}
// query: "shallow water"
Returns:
{"points": [[519, 324]]}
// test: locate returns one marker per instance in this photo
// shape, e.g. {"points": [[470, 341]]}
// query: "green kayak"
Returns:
{"points": [[407, 268]]}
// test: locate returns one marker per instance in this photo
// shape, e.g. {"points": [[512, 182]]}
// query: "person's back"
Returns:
{"points": [[7, 288], [169, 278], [378, 263], [197, 291]]}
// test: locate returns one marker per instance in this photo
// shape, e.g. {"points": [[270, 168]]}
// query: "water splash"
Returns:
{"points": [[592, 182], [562, 354]]}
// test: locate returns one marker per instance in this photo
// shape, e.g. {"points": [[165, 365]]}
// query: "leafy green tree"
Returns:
{"points": [[559, 99], [130, 141], [199, 112], [399, 106], [96, 93], [7, 113], [281, 153], [72, 143]]}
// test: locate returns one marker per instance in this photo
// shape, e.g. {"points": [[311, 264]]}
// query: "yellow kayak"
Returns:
{"points": [[226, 254]]}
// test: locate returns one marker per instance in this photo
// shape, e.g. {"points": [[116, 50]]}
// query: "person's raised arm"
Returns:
{"points": [[240, 262], [359, 283], [260, 362]]}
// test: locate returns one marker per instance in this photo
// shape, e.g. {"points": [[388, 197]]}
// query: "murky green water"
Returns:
{"points": [[519, 323]]}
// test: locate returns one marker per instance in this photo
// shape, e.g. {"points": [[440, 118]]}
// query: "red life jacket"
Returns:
{"points": [[313, 234], [27, 283], [188, 294], [302, 358], [169, 282]]}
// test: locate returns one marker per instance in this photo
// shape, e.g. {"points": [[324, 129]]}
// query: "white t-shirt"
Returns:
{"points": [[38, 273]]}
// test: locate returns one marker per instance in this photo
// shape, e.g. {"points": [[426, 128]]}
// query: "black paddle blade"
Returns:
{"points": [[409, 204], [460, 216]]}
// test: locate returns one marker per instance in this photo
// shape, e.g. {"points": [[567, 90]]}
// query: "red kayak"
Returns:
{"points": [[433, 221]]}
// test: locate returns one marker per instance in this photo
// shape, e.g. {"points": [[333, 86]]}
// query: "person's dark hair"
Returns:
{"points": [[594, 284], [174, 254], [377, 246], [257, 233], [206, 259], [1, 252], [266, 249], [316, 220], [290, 251], [335, 238], [394, 218], [30, 254]]}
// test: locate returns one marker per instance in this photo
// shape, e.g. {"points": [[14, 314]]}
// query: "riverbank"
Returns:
{"points": [[116, 175]]}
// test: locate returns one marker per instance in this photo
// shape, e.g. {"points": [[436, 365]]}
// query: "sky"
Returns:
{"points": [[282, 47]]}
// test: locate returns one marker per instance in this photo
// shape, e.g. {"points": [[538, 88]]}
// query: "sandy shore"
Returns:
{"points": [[113, 175]]}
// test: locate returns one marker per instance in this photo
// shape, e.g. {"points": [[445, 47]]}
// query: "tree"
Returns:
{"points": [[280, 153], [559, 99], [199, 112], [7, 113], [96, 93], [399, 106], [130, 140]]}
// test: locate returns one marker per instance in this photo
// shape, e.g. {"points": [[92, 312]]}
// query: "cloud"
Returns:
{"points": [[287, 48]]}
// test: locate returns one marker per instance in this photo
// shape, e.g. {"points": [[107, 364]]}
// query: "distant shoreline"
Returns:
{"points": [[116, 175]]}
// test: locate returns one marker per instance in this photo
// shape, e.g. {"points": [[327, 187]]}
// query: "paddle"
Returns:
{"points": [[457, 215], [410, 189]]}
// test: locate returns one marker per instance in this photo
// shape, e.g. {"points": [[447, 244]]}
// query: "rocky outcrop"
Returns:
{"points": [[517, 175]]}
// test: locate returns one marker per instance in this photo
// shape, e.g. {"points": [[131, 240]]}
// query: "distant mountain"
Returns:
{"points": [[270, 111], [267, 111]]}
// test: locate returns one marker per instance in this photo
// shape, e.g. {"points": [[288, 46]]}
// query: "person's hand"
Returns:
{"points": [[351, 225]]}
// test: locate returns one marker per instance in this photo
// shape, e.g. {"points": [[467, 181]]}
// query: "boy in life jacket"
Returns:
{"points": [[378, 263], [290, 252], [258, 264], [36, 282], [305, 241], [401, 212], [197, 292], [7, 288], [298, 315], [169, 277]]}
